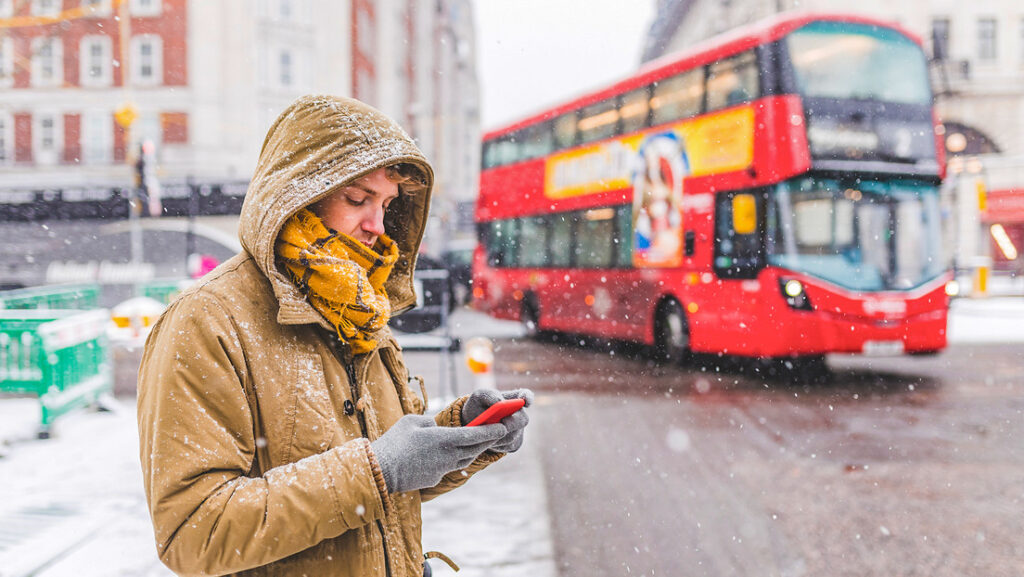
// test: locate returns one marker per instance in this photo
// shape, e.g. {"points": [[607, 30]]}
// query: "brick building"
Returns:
{"points": [[206, 78]]}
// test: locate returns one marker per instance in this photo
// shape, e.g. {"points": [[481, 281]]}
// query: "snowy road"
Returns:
{"points": [[896, 466]]}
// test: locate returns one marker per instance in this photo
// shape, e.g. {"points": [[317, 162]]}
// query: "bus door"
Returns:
{"points": [[737, 260]]}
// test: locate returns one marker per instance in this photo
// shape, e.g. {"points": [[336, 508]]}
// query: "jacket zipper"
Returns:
{"points": [[350, 369]]}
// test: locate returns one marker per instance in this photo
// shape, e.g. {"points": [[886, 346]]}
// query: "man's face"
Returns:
{"points": [[358, 209]]}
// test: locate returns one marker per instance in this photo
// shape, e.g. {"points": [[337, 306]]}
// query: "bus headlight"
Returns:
{"points": [[793, 292], [952, 288]]}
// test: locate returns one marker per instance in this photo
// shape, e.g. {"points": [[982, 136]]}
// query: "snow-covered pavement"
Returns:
{"points": [[73, 505]]}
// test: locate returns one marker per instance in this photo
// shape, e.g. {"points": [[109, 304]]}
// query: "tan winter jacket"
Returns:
{"points": [[254, 422]]}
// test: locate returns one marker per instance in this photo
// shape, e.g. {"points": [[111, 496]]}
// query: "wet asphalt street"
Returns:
{"points": [[891, 466]]}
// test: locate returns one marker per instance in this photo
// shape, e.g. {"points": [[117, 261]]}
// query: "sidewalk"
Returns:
{"points": [[997, 319], [74, 506]]}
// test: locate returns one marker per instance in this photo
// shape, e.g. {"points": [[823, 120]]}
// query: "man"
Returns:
{"points": [[278, 432]]}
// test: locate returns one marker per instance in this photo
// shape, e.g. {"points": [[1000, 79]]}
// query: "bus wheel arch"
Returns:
{"points": [[671, 332]]}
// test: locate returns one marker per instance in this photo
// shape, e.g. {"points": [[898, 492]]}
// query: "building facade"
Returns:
{"points": [[83, 83]]}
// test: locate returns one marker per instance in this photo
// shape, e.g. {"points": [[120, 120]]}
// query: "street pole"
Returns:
{"points": [[134, 202], [193, 210]]}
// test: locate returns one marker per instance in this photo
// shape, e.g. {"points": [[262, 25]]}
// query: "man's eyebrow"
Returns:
{"points": [[368, 190]]}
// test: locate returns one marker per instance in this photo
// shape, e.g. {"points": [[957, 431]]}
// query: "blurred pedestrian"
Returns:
{"points": [[278, 431]]}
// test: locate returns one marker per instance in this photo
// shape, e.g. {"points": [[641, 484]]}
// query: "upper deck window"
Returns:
{"points": [[598, 121], [680, 96], [857, 61], [732, 81], [633, 110]]}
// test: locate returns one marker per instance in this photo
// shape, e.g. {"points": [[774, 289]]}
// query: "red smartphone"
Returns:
{"points": [[498, 411]]}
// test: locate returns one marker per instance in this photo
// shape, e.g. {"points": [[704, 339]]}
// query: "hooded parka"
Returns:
{"points": [[255, 421]]}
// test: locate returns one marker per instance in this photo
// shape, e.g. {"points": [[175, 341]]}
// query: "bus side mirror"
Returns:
{"points": [[744, 214]]}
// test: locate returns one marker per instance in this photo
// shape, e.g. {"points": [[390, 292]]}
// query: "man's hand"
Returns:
{"points": [[415, 453], [515, 423]]}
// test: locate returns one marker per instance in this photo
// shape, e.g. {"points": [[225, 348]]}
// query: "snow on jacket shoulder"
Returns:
{"points": [[254, 440]]}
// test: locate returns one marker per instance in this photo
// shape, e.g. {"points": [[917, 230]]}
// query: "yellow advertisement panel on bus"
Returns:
{"points": [[654, 164]]}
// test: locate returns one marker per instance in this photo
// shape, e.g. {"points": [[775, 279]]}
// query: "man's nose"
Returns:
{"points": [[374, 224]]}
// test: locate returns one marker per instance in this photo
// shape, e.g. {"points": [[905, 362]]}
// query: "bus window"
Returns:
{"points": [[490, 154], [513, 150], [857, 61], [565, 130], [501, 243], [624, 236], [633, 110], [678, 97], [733, 81], [598, 121], [533, 242], [501, 151], [594, 234], [561, 240], [537, 141], [738, 255]]}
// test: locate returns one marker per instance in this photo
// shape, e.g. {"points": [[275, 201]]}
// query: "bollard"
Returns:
{"points": [[480, 359]]}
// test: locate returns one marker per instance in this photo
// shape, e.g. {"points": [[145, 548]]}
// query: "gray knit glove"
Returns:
{"points": [[415, 453], [515, 423]]}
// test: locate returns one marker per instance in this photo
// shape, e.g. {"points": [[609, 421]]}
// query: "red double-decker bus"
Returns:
{"points": [[769, 193]]}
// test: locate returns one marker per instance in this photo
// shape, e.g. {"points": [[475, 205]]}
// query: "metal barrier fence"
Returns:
{"points": [[60, 356], [163, 290], [77, 296]]}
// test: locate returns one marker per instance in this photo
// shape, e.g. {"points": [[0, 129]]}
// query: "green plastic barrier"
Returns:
{"points": [[59, 356], [73, 296], [165, 290]]}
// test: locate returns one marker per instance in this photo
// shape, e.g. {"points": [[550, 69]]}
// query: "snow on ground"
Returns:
{"points": [[73, 505], [989, 320]]}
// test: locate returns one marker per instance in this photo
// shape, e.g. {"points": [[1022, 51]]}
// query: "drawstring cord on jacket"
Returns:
{"points": [[443, 557]]}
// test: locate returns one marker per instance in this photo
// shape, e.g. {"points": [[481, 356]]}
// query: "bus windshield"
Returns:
{"points": [[865, 235], [856, 61]]}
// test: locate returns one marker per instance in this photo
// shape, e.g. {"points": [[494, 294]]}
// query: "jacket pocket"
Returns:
{"points": [[313, 413]]}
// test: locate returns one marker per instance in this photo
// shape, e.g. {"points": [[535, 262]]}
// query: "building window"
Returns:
{"points": [[285, 10], [97, 137], [6, 138], [286, 72], [96, 7], [940, 39], [147, 60], [46, 7], [145, 7], [47, 56], [95, 61], [6, 62], [986, 39], [46, 133]]}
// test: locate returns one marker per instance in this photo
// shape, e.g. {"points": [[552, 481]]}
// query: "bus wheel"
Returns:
{"points": [[530, 317], [671, 335]]}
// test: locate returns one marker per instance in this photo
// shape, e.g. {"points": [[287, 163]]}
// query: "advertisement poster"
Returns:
{"points": [[654, 165]]}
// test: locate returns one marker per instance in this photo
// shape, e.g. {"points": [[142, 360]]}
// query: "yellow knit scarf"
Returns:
{"points": [[342, 278]]}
